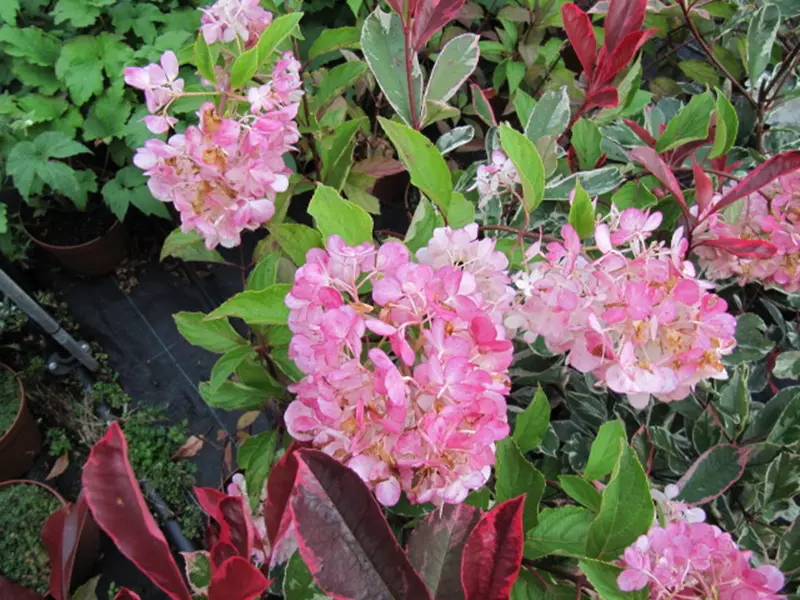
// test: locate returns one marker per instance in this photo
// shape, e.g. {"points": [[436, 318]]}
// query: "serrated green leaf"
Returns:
{"points": [[256, 307], [336, 216], [296, 240], [232, 395], [561, 531], [107, 116], [256, 457], [581, 491], [244, 67], [265, 272], [31, 43], [603, 577], [203, 59], [531, 425], [581, 213], [77, 12], [80, 67], [335, 39], [188, 246], [8, 11], [53, 144], [514, 476], [227, 364], [215, 336], [278, 30], [605, 450]]}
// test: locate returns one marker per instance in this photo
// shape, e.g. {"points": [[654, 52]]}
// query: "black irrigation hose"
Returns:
{"points": [[171, 527]]}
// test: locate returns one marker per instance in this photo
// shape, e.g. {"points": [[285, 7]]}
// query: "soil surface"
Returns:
{"points": [[68, 227]]}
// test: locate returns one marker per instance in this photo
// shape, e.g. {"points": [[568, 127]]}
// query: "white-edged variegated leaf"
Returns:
{"points": [[454, 65]]}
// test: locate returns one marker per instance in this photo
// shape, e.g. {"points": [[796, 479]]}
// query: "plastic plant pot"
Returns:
{"points": [[21, 442]]}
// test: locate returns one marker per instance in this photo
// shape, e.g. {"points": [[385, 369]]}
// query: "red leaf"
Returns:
{"points": [[612, 63], [775, 167], [222, 551], [61, 535], [126, 594], [651, 161], [482, 106], [579, 30], [343, 536], [703, 187], [120, 510], [397, 6], [379, 166], [279, 489], [624, 17], [493, 552], [430, 16], [743, 248], [641, 132], [12, 591], [237, 579], [238, 524], [606, 97], [436, 546]]}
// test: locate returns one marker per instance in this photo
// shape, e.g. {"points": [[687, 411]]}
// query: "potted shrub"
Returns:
{"points": [[20, 440]]}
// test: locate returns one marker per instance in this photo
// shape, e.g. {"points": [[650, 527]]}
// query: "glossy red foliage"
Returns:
{"points": [[11, 591], [237, 579], [651, 161], [579, 30], [641, 132], [613, 62], [435, 548], [430, 16], [120, 510], [623, 18], [343, 536], [764, 174], [220, 552], [493, 553], [703, 187], [743, 248], [61, 535], [279, 489], [607, 97], [238, 524]]}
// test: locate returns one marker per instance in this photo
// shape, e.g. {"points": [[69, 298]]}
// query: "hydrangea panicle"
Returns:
{"points": [[406, 385]]}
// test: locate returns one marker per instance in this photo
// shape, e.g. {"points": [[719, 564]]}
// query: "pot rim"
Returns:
{"points": [[117, 223], [23, 404], [33, 482]]}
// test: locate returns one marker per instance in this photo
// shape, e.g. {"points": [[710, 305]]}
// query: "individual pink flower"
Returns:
{"points": [[695, 560], [161, 85], [496, 178], [405, 383], [226, 19]]}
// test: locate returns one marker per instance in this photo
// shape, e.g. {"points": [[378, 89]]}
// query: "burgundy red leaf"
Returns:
{"points": [[623, 18], [743, 248], [703, 187], [222, 551], [493, 553], [775, 167], [343, 536], [579, 30], [126, 594], [606, 97], [237, 579], [430, 16], [12, 591], [62, 535], [651, 161], [279, 489], [617, 60], [641, 132], [435, 549], [120, 510]]}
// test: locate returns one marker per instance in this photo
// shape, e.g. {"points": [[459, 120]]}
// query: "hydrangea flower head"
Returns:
{"points": [[695, 560], [226, 20], [405, 384]]}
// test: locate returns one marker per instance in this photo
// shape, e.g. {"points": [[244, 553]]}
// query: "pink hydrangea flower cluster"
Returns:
{"points": [[223, 174], [226, 20], [161, 85], [632, 312], [406, 362], [696, 560], [496, 178], [772, 214]]}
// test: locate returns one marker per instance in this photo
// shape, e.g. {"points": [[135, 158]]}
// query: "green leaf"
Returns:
{"points": [[514, 475], [189, 246], [298, 583], [27, 163], [30, 43], [232, 395], [215, 336], [691, 124], [8, 11], [277, 31], [428, 169], [537, 587], [117, 198], [383, 45], [763, 422], [256, 457], [40, 109], [256, 307], [581, 491], [531, 424], [714, 472], [787, 427], [337, 152], [227, 364], [760, 38], [787, 365], [54, 144], [734, 402], [455, 63], [244, 67], [524, 105], [335, 39], [560, 531], [335, 82], [550, 116], [581, 213], [80, 67], [139, 18], [482, 107], [727, 127], [296, 240], [455, 138], [78, 13], [587, 140], [265, 272], [626, 511], [634, 194], [752, 344], [605, 450], [783, 479], [203, 59], [700, 71], [603, 577], [280, 356], [336, 216], [461, 211], [527, 162], [107, 116], [198, 571], [422, 225]]}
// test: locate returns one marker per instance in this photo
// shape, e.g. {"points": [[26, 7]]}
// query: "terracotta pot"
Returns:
{"points": [[89, 544], [20, 445], [95, 257]]}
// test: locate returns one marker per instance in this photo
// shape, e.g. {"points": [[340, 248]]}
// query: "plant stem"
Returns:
{"points": [[412, 103]]}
